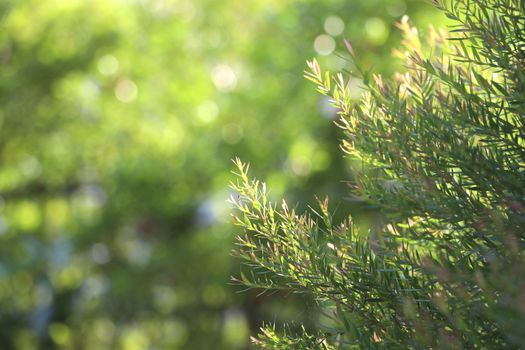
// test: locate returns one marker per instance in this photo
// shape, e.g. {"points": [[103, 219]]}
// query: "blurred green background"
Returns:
{"points": [[118, 123]]}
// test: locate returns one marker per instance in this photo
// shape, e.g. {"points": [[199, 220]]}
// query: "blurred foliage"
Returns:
{"points": [[118, 121]]}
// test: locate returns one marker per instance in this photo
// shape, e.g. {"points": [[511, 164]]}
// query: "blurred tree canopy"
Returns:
{"points": [[118, 121]]}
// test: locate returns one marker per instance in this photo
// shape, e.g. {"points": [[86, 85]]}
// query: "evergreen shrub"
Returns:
{"points": [[442, 148]]}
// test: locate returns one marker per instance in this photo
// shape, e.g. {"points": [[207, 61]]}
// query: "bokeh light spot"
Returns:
{"points": [[396, 9], [31, 166], [356, 87], [60, 333], [126, 91], [376, 30], [326, 108], [207, 112], [108, 65], [213, 295], [235, 327], [137, 252], [164, 299], [134, 339], [104, 329], [232, 133], [324, 45], [100, 253], [224, 78], [334, 25], [301, 166], [27, 216]]}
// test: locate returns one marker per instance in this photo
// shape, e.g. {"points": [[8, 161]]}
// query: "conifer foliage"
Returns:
{"points": [[443, 149]]}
